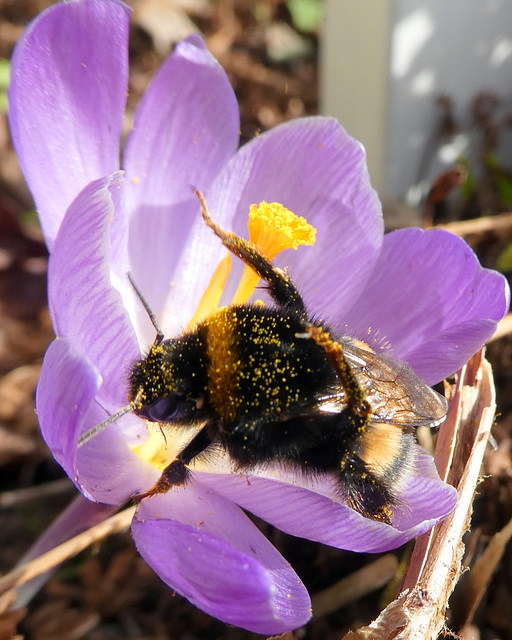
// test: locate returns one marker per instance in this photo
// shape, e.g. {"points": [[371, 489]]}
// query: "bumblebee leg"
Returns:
{"points": [[281, 288], [177, 473], [366, 493]]}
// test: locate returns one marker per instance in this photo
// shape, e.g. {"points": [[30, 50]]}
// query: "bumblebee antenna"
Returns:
{"points": [[88, 435], [154, 321]]}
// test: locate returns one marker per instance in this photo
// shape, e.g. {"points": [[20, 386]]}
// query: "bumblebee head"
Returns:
{"points": [[162, 387], [165, 385], [154, 394]]}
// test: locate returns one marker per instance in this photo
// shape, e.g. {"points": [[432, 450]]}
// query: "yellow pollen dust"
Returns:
{"points": [[272, 229]]}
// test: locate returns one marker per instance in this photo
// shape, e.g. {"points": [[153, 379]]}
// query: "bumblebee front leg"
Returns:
{"points": [[178, 473], [281, 288]]}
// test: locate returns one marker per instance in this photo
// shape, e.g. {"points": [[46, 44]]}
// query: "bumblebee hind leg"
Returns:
{"points": [[377, 469], [281, 288], [366, 494]]}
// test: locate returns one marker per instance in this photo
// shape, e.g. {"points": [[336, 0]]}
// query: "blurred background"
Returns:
{"points": [[427, 88]]}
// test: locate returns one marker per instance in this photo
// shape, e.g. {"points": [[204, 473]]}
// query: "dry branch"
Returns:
{"points": [[50, 559], [419, 611]]}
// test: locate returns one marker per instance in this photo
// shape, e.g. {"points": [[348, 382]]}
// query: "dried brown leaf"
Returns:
{"points": [[17, 390], [482, 571]]}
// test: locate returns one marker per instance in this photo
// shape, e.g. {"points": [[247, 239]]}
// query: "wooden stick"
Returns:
{"points": [[419, 611], [477, 226], [50, 559]]}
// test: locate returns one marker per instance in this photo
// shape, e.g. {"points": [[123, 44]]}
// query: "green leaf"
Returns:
{"points": [[306, 14], [504, 261], [5, 67], [504, 185]]}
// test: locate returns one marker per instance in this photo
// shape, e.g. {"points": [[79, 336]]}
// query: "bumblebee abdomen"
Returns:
{"points": [[261, 364]]}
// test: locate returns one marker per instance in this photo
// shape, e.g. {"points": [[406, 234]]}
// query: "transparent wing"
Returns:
{"points": [[395, 392]]}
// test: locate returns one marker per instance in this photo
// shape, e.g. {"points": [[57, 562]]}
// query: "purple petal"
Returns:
{"points": [[431, 300], [108, 470], [317, 170], [426, 497], [104, 469], [66, 101], [66, 389], [206, 549], [84, 305], [316, 514], [186, 128]]}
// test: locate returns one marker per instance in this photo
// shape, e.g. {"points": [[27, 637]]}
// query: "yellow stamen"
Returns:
{"points": [[213, 292], [272, 228]]}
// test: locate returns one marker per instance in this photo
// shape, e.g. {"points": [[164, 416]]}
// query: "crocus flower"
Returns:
{"points": [[424, 293]]}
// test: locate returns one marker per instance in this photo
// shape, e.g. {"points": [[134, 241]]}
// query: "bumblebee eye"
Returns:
{"points": [[166, 409]]}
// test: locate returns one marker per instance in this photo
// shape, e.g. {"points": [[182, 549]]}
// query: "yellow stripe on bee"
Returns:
{"points": [[382, 445], [224, 362]]}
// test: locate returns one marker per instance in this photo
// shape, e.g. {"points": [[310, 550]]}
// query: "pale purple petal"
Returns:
{"points": [[430, 299], [426, 497], [186, 128], [108, 468], [85, 307], [206, 549], [311, 511], [317, 170], [66, 100], [105, 469], [444, 354], [67, 387], [79, 515]]}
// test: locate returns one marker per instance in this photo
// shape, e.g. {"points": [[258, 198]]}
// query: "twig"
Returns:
{"points": [[68, 549], [20, 496], [419, 611], [500, 222]]}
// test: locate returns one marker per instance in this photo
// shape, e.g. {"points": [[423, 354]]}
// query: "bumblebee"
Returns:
{"points": [[273, 385]]}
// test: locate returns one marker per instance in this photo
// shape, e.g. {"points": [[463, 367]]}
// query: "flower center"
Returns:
{"points": [[155, 450], [272, 228]]}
